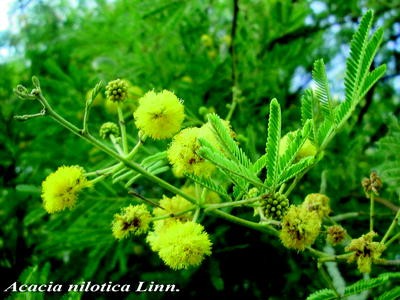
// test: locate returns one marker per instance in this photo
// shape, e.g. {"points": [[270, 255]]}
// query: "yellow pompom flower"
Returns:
{"points": [[365, 251], [60, 189], [172, 206], [318, 203], [183, 245], [182, 153], [300, 228], [159, 115], [132, 219]]}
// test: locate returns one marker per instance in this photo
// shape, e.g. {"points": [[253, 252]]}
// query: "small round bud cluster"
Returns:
{"points": [[275, 206], [365, 251], [318, 203], [108, 129], [372, 184], [335, 234], [117, 90]]}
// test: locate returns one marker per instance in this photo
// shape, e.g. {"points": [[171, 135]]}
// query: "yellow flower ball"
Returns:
{"points": [[183, 245], [159, 115], [132, 219], [182, 153], [60, 189], [300, 228], [172, 206], [318, 203]]}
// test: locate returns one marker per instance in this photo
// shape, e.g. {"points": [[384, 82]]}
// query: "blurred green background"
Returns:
{"points": [[198, 49]]}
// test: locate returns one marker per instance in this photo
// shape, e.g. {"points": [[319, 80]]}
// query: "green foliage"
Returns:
{"points": [[272, 147], [358, 287], [362, 53], [227, 142], [389, 147], [391, 294], [159, 45], [322, 92]]}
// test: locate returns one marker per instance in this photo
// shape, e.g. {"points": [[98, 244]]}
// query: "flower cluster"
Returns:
{"points": [[365, 251], [132, 219], [335, 234], [275, 206], [159, 115], [179, 242], [172, 208], [373, 184], [117, 90], [183, 156], [182, 245], [60, 189], [300, 228], [318, 203]]}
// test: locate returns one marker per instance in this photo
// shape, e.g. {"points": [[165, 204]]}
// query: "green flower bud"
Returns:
{"points": [[275, 206], [117, 90], [107, 129]]}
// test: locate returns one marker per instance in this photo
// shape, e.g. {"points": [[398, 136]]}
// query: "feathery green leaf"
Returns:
{"points": [[321, 91], [234, 170], [324, 132], [294, 146], [227, 142], [209, 184], [295, 169], [366, 284], [260, 163], [324, 294], [368, 56], [391, 294], [306, 106], [358, 79], [371, 79], [354, 62], [272, 148]]}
